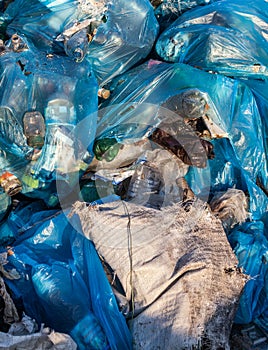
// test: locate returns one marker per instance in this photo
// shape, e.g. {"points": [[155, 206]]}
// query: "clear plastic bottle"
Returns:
{"points": [[145, 185], [34, 129], [58, 150]]}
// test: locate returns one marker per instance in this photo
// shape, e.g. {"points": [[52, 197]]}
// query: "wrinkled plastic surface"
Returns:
{"points": [[232, 108], [229, 37], [251, 247], [124, 36], [5, 201], [62, 283], [169, 10], [30, 80]]}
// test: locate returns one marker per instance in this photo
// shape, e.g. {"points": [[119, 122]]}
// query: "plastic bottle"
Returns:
{"points": [[145, 185], [34, 129], [58, 149]]}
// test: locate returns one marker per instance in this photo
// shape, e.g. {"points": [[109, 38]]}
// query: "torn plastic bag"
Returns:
{"points": [[169, 10], [62, 284], [226, 36], [227, 107], [170, 263], [113, 35], [43, 98], [251, 248]]}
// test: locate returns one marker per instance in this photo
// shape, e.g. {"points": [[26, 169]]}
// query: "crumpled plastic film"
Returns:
{"points": [[62, 283], [133, 112], [169, 10], [226, 36], [251, 247], [114, 37], [61, 93]]}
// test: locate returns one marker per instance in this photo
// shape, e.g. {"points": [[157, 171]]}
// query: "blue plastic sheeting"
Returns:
{"points": [[260, 91], [251, 247], [132, 113], [228, 37], [169, 10], [62, 283], [126, 30], [25, 216], [65, 93]]}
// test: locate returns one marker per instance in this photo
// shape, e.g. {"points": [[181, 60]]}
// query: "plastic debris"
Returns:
{"points": [[42, 100], [61, 283], [167, 11], [230, 207], [112, 35], [88, 112], [250, 245], [45, 338], [159, 95], [227, 37]]}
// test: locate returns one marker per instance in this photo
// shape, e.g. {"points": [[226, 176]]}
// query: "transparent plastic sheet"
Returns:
{"points": [[232, 108], [251, 248], [62, 284], [63, 93], [125, 31]]}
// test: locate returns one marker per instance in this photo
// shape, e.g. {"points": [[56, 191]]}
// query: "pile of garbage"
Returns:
{"points": [[133, 155]]}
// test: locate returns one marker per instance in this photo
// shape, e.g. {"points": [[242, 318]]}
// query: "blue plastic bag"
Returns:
{"points": [[226, 36], [63, 94], [125, 31], [133, 113], [169, 10], [62, 283], [251, 247]]}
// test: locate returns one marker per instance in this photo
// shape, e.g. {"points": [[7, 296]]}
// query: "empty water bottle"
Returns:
{"points": [[58, 150], [34, 129]]}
